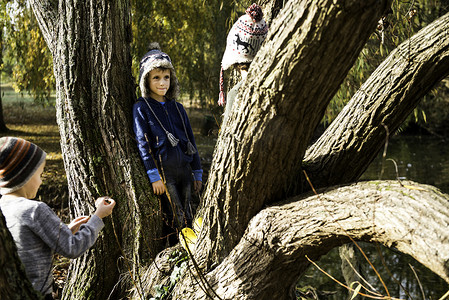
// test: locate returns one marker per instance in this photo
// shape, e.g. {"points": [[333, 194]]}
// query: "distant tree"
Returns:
{"points": [[3, 127], [27, 56], [3, 16]]}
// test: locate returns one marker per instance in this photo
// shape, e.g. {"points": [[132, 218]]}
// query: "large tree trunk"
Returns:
{"points": [[275, 248], [14, 284], [359, 132], [305, 57], [90, 44]]}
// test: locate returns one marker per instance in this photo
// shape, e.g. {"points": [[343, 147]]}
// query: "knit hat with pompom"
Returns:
{"points": [[244, 40], [154, 59], [19, 160]]}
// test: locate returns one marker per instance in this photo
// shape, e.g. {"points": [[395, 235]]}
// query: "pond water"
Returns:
{"points": [[421, 159]]}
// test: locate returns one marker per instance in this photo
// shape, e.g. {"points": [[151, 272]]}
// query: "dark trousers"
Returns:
{"points": [[178, 209]]}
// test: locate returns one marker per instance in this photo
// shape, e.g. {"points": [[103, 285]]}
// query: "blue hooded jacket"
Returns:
{"points": [[144, 122]]}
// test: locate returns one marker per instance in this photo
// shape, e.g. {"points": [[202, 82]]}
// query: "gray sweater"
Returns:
{"points": [[38, 233]]}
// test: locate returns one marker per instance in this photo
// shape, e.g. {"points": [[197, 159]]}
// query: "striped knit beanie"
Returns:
{"points": [[19, 160], [244, 40], [154, 59]]}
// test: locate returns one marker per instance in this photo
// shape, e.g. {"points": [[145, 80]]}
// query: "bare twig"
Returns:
{"points": [[419, 282], [374, 296], [199, 272], [355, 243], [384, 154], [389, 272]]}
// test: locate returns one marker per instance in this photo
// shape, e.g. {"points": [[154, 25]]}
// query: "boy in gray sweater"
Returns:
{"points": [[37, 231]]}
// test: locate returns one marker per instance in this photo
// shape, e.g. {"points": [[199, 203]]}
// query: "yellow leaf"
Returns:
{"points": [[197, 225], [188, 238]]}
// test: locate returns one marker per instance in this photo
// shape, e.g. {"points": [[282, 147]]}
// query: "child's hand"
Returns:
{"points": [[197, 185], [74, 226], [104, 206], [158, 187]]}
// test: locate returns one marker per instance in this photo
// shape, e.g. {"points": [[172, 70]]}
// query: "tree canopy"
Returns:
{"points": [[179, 28], [26, 58]]}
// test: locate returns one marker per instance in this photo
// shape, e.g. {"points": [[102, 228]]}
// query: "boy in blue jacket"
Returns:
{"points": [[165, 139]]}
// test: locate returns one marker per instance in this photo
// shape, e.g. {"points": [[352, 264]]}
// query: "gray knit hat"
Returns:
{"points": [[19, 160], [154, 59]]}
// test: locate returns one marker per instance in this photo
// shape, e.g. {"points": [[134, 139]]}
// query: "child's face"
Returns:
{"points": [[159, 82], [32, 186]]}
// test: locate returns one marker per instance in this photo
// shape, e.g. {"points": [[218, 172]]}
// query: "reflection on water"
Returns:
{"points": [[421, 159], [397, 274]]}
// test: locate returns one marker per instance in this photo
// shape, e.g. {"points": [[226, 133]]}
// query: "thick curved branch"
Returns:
{"points": [[267, 262], [354, 139], [262, 143], [46, 12]]}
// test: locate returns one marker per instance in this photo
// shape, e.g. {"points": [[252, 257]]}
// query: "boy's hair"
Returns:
{"points": [[155, 59], [19, 160]]}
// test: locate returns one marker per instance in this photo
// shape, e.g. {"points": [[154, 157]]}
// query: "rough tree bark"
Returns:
{"points": [[359, 132], [344, 151], [14, 284], [90, 44], [307, 53], [281, 238], [271, 9]]}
